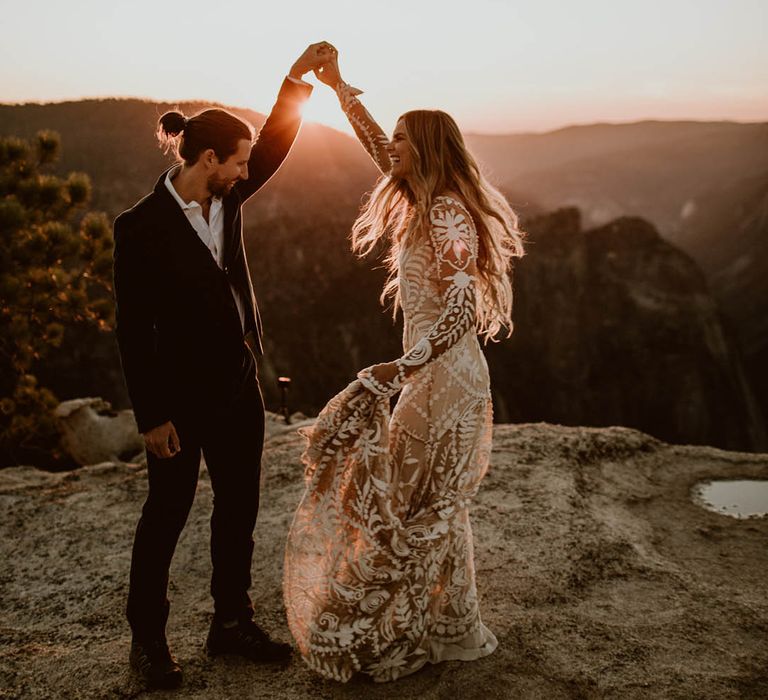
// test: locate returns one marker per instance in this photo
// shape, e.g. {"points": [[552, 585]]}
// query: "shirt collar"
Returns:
{"points": [[215, 201]]}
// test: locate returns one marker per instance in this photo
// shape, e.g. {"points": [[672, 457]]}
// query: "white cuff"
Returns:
{"points": [[298, 81]]}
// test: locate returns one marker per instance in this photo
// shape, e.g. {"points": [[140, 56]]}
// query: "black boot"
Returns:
{"points": [[153, 661], [246, 639]]}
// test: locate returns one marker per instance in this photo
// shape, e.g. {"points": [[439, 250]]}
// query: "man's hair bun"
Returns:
{"points": [[172, 123]]}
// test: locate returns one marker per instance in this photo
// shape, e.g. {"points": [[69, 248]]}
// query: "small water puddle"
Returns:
{"points": [[739, 498]]}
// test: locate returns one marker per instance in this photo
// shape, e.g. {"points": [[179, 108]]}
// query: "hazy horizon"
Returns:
{"points": [[472, 132]]}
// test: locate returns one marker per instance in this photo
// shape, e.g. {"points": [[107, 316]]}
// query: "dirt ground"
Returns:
{"points": [[597, 573]]}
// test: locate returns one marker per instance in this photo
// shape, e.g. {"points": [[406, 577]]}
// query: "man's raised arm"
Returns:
{"points": [[279, 131]]}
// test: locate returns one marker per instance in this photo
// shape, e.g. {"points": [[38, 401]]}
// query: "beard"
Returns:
{"points": [[220, 186]]}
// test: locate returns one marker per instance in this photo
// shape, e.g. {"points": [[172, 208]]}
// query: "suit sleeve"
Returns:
{"points": [[275, 138], [135, 329]]}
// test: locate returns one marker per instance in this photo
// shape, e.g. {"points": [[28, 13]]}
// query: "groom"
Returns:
{"points": [[187, 329]]}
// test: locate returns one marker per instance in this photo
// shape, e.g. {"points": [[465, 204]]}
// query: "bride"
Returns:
{"points": [[379, 575]]}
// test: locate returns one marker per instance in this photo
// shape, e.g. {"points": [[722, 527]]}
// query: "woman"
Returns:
{"points": [[379, 572]]}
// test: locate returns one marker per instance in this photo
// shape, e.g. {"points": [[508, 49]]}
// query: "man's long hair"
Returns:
{"points": [[399, 211]]}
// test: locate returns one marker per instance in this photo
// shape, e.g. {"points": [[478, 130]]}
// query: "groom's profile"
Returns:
{"points": [[188, 328]]}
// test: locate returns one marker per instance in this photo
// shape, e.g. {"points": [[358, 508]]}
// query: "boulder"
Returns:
{"points": [[92, 432]]}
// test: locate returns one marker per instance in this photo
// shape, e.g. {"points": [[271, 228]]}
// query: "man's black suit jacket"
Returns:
{"points": [[181, 342]]}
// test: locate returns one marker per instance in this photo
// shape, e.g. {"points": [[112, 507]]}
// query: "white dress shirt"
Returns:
{"points": [[210, 232]]}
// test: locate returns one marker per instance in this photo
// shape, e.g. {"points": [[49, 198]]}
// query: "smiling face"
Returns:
{"points": [[222, 177], [399, 150]]}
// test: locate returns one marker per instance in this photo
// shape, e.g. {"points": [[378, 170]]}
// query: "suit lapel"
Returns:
{"points": [[231, 205], [176, 226], [177, 223]]}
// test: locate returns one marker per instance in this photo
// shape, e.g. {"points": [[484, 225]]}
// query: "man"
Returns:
{"points": [[188, 327]]}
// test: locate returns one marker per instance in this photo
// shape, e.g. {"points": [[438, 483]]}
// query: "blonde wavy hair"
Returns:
{"points": [[398, 211]]}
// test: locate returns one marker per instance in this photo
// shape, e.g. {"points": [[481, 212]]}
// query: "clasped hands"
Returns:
{"points": [[321, 59]]}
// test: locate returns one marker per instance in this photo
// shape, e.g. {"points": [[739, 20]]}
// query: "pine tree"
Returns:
{"points": [[55, 262]]}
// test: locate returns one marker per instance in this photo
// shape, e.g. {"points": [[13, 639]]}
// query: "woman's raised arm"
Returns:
{"points": [[370, 134]]}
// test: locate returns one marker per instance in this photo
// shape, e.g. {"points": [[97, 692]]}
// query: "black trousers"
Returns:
{"points": [[232, 444]]}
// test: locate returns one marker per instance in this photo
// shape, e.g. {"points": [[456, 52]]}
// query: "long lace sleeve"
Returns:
{"points": [[370, 134], [454, 239]]}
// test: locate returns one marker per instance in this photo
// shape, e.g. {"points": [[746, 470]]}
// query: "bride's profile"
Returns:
{"points": [[379, 573]]}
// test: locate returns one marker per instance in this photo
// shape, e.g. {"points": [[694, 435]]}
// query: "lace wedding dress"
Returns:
{"points": [[379, 575]]}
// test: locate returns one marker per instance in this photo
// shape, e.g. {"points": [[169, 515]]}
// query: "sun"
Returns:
{"points": [[323, 107]]}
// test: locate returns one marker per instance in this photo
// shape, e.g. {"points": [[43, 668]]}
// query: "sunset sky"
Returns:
{"points": [[496, 65]]}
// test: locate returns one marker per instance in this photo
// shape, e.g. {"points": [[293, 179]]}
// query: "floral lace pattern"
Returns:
{"points": [[369, 133], [379, 574]]}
